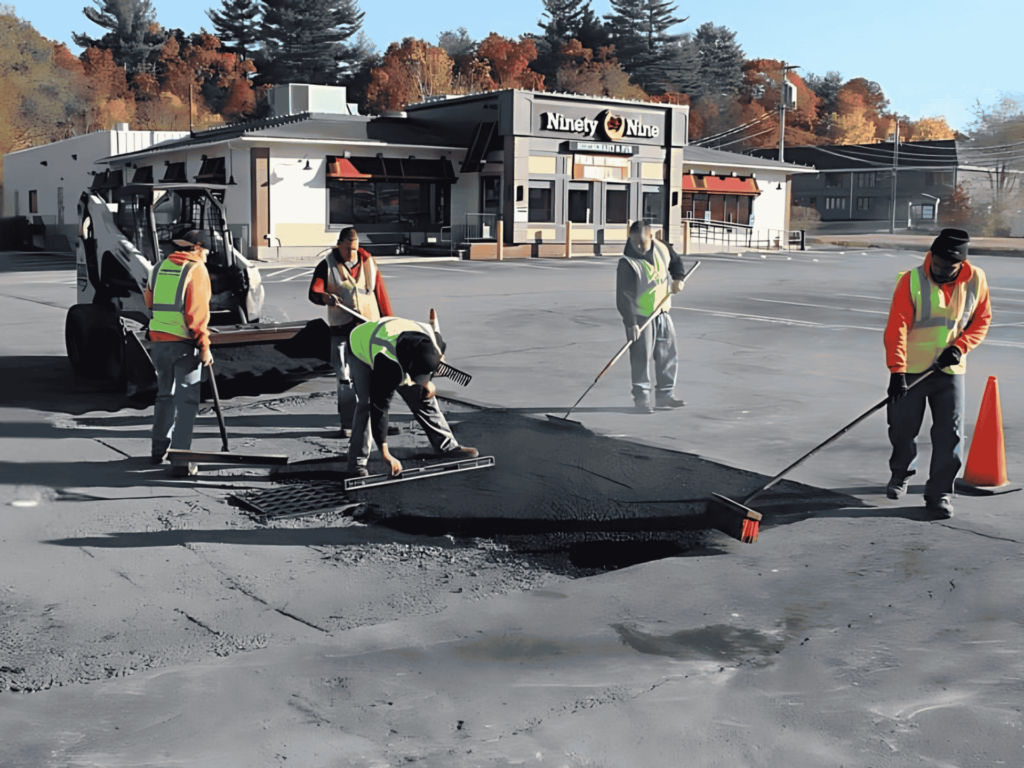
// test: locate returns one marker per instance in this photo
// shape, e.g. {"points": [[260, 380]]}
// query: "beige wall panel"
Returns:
{"points": [[652, 171], [304, 234], [543, 234], [543, 164]]}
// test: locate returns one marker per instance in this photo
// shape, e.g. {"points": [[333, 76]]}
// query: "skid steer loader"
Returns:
{"points": [[124, 233]]}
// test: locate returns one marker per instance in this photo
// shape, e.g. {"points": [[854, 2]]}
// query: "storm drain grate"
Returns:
{"points": [[297, 500]]}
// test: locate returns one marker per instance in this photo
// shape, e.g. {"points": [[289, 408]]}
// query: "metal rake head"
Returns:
{"points": [[459, 377]]}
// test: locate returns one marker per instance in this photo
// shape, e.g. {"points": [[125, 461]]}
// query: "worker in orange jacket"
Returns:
{"points": [[178, 293], [348, 277], [940, 311]]}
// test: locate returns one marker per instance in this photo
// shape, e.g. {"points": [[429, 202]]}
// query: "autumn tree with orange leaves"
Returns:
{"points": [[594, 73]]}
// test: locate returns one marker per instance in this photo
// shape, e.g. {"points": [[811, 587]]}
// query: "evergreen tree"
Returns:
{"points": [[639, 29], [680, 69], [566, 20], [721, 60], [826, 88], [237, 25], [132, 33], [306, 41], [457, 42]]}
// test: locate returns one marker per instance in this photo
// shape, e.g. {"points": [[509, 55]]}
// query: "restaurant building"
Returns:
{"points": [[507, 174]]}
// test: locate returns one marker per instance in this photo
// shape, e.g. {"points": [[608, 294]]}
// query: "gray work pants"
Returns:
{"points": [[426, 412], [179, 373], [342, 374], [944, 395], [658, 341]]}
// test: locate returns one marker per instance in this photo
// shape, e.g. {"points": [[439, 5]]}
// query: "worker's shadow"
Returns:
{"points": [[281, 537], [911, 508]]}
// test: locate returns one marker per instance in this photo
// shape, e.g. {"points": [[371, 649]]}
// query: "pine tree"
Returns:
{"points": [[639, 29], [237, 25], [566, 20], [721, 60], [130, 36], [306, 41]]}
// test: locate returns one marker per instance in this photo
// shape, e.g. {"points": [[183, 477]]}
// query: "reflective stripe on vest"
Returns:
{"points": [[937, 324], [363, 299], [381, 338], [653, 280], [168, 284]]}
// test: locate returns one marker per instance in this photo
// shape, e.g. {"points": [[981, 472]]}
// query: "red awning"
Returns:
{"points": [[720, 185], [340, 168]]}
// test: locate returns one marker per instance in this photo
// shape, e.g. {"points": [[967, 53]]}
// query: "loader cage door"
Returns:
{"points": [[132, 218]]}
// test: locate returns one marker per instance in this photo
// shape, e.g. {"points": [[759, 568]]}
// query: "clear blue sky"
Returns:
{"points": [[930, 58]]}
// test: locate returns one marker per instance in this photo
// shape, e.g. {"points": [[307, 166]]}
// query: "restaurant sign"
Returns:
{"points": [[607, 125]]}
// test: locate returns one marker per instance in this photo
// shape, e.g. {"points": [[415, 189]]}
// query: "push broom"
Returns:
{"points": [[751, 518], [565, 419]]}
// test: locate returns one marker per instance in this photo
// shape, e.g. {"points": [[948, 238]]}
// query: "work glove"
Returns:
{"points": [[206, 357], [633, 333], [897, 386], [677, 286], [949, 356]]}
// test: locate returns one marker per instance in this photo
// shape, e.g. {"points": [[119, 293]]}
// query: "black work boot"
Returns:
{"points": [[898, 484]]}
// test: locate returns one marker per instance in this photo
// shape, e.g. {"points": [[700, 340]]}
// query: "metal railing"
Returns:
{"points": [[734, 235], [481, 226]]}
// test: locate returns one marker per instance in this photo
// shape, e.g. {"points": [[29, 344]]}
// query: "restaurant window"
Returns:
{"points": [[616, 204], [541, 201], [418, 204], [580, 205], [490, 194], [653, 205]]}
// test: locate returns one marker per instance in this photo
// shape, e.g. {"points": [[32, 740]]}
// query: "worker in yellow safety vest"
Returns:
{"points": [[178, 293], [940, 311], [396, 355], [649, 272]]}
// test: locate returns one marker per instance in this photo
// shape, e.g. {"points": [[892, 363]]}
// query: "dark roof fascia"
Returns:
{"points": [[843, 158]]}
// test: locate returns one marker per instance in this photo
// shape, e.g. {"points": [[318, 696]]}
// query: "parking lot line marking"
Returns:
{"points": [[779, 320], [820, 306]]}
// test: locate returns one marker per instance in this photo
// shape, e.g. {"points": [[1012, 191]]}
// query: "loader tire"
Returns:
{"points": [[94, 339]]}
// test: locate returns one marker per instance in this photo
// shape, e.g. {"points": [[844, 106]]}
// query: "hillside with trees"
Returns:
{"points": [[134, 70]]}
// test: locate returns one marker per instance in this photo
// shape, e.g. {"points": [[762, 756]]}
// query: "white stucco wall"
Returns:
{"points": [[66, 171]]}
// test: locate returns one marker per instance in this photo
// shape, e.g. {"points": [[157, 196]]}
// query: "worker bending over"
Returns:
{"points": [[940, 311], [178, 293], [396, 355], [348, 277], [648, 272]]}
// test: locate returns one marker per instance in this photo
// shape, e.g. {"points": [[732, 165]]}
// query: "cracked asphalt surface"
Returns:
{"points": [[146, 621]]}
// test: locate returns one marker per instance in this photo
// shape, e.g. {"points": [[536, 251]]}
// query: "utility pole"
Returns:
{"points": [[783, 105], [895, 162]]}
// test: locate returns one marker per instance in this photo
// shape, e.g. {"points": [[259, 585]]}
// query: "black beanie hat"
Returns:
{"points": [[418, 355], [951, 244]]}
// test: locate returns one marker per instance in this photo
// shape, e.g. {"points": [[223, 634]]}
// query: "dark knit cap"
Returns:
{"points": [[192, 237], [418, 355], [951, 244]]}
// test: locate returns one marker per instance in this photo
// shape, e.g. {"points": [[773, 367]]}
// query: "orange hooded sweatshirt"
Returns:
{"points": [[901, 316], [197, 301]]}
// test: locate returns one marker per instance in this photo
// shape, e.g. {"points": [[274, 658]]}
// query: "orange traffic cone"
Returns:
{"points": [[986, 462]]}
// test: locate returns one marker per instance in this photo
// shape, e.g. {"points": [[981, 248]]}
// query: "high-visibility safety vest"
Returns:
{"points": [[380, 337], [653, 280], [938, 323], [168, 283], [362, 298]]}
